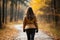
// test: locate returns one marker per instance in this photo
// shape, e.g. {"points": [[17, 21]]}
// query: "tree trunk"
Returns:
{"points": [[3, 12], [0, 15], [15, 10], [11, 14]]}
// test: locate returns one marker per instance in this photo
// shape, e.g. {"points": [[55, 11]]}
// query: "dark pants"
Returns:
{"points": [[30, 34]]}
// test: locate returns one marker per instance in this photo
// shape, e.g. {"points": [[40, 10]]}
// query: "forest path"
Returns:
{"points": [[22, 35]]}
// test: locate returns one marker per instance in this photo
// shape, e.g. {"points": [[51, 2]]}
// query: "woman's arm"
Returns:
{"points": [[36, 25], [35, 22], [24, 24]]}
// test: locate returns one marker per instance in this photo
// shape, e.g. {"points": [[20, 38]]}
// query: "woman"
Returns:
{"points": [[30, 24]]}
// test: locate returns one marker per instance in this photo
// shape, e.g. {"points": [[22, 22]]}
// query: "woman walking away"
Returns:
{"points": [[30, 24]]}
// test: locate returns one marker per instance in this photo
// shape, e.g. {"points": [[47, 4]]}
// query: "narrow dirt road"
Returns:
{"points": [[38, 36]]}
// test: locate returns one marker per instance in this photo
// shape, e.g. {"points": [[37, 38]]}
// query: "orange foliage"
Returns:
{"points": [[37, 4]]}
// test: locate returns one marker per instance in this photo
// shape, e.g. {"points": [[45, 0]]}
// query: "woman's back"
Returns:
{"points": [[30, 23]]}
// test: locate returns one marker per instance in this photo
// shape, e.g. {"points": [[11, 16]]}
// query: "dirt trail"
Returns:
{"points": [[38, 36]]}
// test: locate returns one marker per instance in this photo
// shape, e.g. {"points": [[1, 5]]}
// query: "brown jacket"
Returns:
{"points": [[27, 24]]}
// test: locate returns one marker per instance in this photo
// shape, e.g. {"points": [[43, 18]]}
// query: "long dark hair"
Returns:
{"points": [[30, 14]]}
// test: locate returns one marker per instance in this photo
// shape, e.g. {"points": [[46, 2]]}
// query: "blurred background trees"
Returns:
{"points": [[47, 12], [13, 10]]}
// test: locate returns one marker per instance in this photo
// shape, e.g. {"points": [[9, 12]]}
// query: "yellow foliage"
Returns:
{"points": [[37, 4]]}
